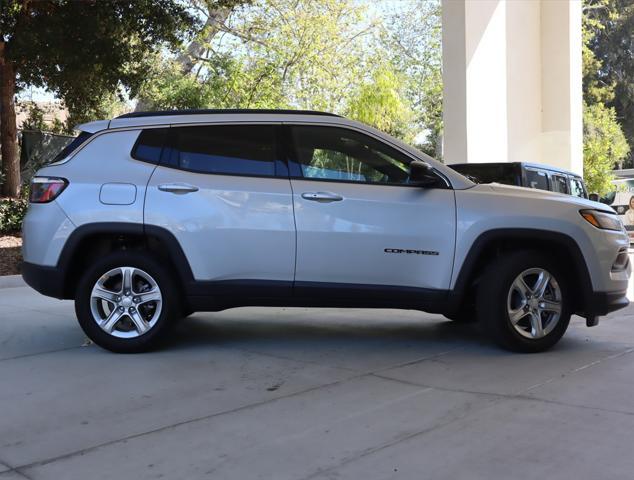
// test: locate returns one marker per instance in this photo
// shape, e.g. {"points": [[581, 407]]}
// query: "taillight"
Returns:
{"points": [[46, 189]]}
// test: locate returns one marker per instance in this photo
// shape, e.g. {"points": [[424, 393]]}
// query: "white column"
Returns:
{"points": [[512, 81]]}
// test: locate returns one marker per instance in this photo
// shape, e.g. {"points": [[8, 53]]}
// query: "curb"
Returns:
{"points": [[12, 281]]}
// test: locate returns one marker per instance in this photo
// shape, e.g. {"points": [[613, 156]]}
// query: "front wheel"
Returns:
{"points": [[126, 302], [524, 301]]}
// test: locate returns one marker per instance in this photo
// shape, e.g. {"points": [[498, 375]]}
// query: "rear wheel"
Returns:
{"points": [[524, 301], [126, 301]]}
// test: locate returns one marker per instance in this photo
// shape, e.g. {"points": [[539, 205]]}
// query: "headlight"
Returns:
{"points": [[602, 220]]}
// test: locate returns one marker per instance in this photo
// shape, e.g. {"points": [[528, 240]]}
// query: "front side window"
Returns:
{"points": [[339, 154], [576, 187], [560, 184], [536, 179], [225, 149]]}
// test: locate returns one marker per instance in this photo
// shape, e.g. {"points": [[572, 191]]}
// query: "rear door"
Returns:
{"points": [[359, 220], [222, 191]]}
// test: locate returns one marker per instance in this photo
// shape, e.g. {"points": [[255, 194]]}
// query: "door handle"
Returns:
{"points": [[178, 188], [323, 197]]}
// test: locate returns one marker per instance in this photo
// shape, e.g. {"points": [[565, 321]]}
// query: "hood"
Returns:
{"points": [[529, 193]]}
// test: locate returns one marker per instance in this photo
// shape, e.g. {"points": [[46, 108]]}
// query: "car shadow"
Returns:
{"points": [[288, 330]]}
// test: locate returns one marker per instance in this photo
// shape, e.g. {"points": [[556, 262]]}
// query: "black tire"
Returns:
{"points": [[464, 315], [491, 301], [170, 302]]}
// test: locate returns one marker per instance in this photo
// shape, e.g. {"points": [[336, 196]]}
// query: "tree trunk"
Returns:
{"points": [[8, 130], [217, 17]]}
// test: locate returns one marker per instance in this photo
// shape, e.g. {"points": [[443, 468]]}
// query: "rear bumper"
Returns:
{"points": [[602, 303], [48, 281]]}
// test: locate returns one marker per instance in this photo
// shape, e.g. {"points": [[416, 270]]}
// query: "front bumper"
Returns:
{"points": [[48, 281]]}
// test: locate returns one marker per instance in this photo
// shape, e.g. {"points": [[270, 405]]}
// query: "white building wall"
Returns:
{"points": [[512, 73]]}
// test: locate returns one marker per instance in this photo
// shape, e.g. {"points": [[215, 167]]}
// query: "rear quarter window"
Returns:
{"points": [[72, 146]]}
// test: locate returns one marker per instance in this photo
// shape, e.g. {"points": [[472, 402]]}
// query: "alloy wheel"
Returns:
{"points": [[126, 302], [534, 303]]}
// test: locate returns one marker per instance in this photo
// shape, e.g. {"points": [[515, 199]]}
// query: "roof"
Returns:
{"points": [[211, 111]]}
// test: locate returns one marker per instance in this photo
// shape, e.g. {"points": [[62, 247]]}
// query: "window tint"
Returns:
{"points": [[536, 179], [576, 187], [226, 149], [339, 154], [560, 184], [72, 146], [149, 145]]}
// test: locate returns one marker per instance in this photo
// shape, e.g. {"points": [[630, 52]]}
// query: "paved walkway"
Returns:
{"points": [[311, 394]]}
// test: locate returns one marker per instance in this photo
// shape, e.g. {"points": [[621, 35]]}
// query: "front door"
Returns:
{"points": [[360, 222]]}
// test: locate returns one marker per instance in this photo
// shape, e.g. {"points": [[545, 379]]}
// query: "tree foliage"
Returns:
{"points": [[333, 55], [381, 103], [411, 39], [611, 42], [82, 51], [604, 144]]}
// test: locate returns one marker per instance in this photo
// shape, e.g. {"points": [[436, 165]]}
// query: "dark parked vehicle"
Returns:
{"points": [[531, 175]]}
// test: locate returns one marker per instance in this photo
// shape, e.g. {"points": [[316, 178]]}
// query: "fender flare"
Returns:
{"points": [[486, 239], [164, 236]]}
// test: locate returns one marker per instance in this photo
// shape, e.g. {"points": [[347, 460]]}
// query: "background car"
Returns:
{"points": [[531, 175]]}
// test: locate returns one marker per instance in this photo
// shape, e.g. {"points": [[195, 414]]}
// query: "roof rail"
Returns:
{"points": [[208, 111]]}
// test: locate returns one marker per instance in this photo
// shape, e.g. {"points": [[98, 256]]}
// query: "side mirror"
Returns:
{"points": [[420, 173], [594, 197]]}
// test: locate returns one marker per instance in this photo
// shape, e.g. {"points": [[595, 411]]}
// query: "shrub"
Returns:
{"points": [[12, 212]]}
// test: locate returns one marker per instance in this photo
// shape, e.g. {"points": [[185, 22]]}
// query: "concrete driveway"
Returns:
{"points": [[311, 393]]}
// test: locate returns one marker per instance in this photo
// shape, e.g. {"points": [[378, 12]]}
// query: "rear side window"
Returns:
{"points": [[560, 184], [537, 179], [225, 149], [72, 146], [149, 145]]}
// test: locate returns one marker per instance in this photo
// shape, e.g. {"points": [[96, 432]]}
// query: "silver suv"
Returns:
{"points": [[148, 217]]}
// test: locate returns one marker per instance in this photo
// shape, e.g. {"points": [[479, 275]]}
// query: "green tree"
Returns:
{"points": [[381, 103], [273, 54], [334, 55], [80, 51], [604, 144], [613, 47], [411, 39]]}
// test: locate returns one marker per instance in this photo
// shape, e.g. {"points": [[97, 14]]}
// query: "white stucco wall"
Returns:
{"points": [[512, 81]]}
